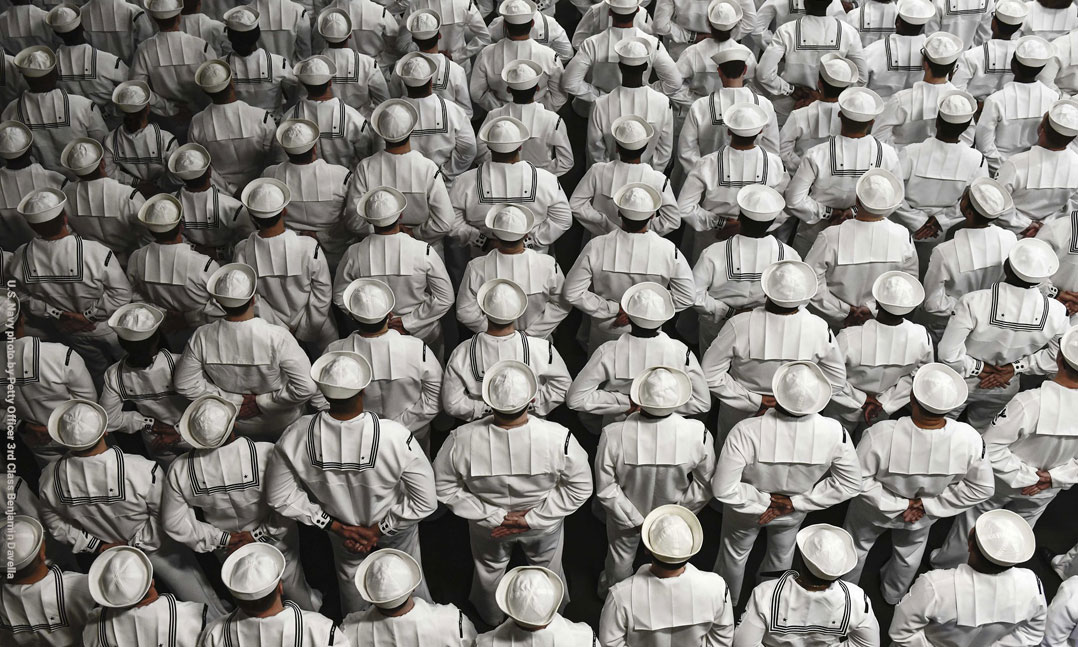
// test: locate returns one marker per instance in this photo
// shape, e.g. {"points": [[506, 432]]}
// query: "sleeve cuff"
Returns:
{"points": [[386, 528], [1020, 366], [322, 521], [223, 541], [52, 312], [977, 367], [147, 424]]}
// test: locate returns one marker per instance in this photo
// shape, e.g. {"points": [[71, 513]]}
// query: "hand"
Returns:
{"points": [[780, 505], [871, 408], [513, 524], [249, 408], [730, 227], [848, 6], [408, 230], [355, 540], [914, 512], [308, 233], [237, 540], [621, 320], [993, 377], [396, 323], [1032, 229], [74, 322], [1043, 483], [930, 229], [766, 402], [104, 546], [164, 436], [858, 315], [35, 435], [839, 216], [633, 408], [1069, 299], [808, 97]]}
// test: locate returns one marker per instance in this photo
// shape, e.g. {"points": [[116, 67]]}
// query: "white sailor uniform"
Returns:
{"points": [[537, 274], [592, 201], [48, 613], [239, 138], [56, 117], [136, 397]]}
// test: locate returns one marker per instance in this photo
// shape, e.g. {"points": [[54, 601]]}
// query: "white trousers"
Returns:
{"points": [[983, 405], [406, 541], [739, 534], [176, 566], [491, 557], [955, 549], [865, 524], [622, 545]]}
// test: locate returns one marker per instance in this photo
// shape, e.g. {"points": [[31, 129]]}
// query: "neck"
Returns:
{"points": [[276, 229], [524, 36], [135, 122], [511, 248], [247, 314], [150, 597], [346, 411], [663, 571], [96, 174], [399, 611], [419, 91], [736, 82], [620, 21], [505, 158], [864, 216], [377, 333], [644, 333], [742, 143], [245, 50], [888, 319], [854, 135], [63, 233], [20, 162], [140, 360], [631, 158], [506, 422], [303, 158], [100, 448], [269, 611], [400, 148], [1066, 377], [771, 307], [224, 98], [935, 80], [926, 420], [324, 95], [198, 185], [33, 574], [500, 330], [395, 228], [810, 582]]}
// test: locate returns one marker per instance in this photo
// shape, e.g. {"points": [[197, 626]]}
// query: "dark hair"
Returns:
{"points": [[634, 225], [1054, 138], [266, 223], [524, 96], [50, 228], [1005, 30], [629, 152], [940, 70], [318, 89], [947, 130], [165, 236], [855, 127], [830, 91], [243, 40], [235, 311], [733, 69], [518, 30], [371, 328], [754, 228], [1023, 71], [426, 43]]}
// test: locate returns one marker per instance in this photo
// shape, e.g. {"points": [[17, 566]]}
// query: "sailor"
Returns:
{"points": [[24, 24], [428, 213], [502, 302], [138, 396], [58, 117], [594, 69], [910, 114], [212, 30], [592, 203], [374, 29], [727, 275], [130, 608], [973, 259], [44, 606], [97, 497], [983, 70], [604, 385], [799, 46], [262, 617], [1042, 180], [936, 172], [443, 131], [1050, 19], [548, 146], [708, 199], [752, 346], [818, 121], [84, 69], [530, 596], [167, 60], [894, 61], [115, 26], [358, 82], [44, 269], [822, 191], [1033, 450], [344, 135], [20, 176], [462, 30], [406, 378], [941, 607], [44, 375], [237, 135], [252, 363], [365, 481], [883, 353], [213, 499], [768, 476], [597, 17], [654, 458], [421, 286], [137, 150], [669, 601], [772, 14], [1011, 116], [917, 470], [1060, 71], [386, 580], [451, 80], [697, 63], [487, 88], [285, 28], [613, 262], [12, 84], [705, 128], [537, 274], [546, 30], [100, 208], [632, 97], [261, 79], [791, 610], [1061, 625], [683, 24], [849, 257], [877, 19], [970, 20], [997, 334], [507, 501], [506, 178]]}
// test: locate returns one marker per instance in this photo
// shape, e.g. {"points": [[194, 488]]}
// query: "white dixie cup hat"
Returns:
{"points": [[1011, 12], [989, 198], [416, 69], [672, 534], [734, 52], [265, 197], [369, 300], [502, 301], [1033, 51], [522, 74], [898, 292], [297, 136], [341, 374], [530, 595], [509, 222], [334, 25], [938, 388], [801, 388], [760, 202], [879, 192], [207, 422], [1004, 538], [504, 134], [943, 48], [27, 537], [189, 162], [64, 17], [860, 104], [632, 132], [745, 119], [1063, 117], [424, 24], [509, 386], [827, 550], [35, 61], [1033, 260], [213, 76], [316, 70], [120, 577], [637, 201], [623, 6], [132, 96], [838, 71], [724, 15], [15, 139], [82, 155], [382, 206], [916, 12], [241, 18], [1068, 347], [253, 571], [387, 578], [163, 9], [957, 107], [789, 283], [42, 205], [136, 321], [661, 390], [161, 213], [78, 424], [633, 51], [394, 120], [233, 285], [517, 12], [648, 304]]}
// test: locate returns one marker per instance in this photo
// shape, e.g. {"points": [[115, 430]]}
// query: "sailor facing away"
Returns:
{"points": [[530, 596], [894, 61], [818, 121]]}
